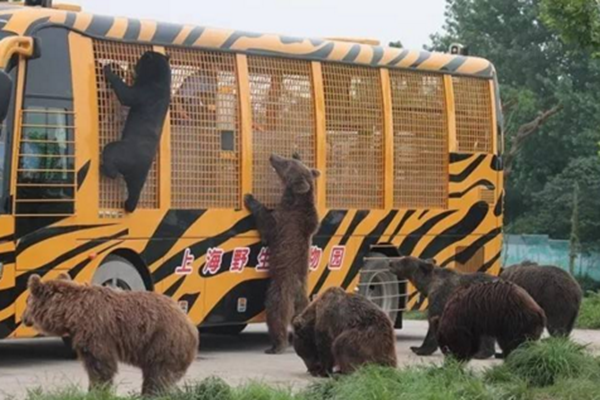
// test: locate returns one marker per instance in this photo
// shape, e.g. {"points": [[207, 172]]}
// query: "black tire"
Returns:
{"points": [[68, 343], [117, 272], [379, 285], [230, 330]]}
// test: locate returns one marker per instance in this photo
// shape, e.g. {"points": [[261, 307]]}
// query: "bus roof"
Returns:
{"points": [[16, 19]]}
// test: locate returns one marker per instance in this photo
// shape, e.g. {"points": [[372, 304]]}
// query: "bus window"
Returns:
{"points": [[354, 120], [474, 121], [283, 114], [112, 115], [6, 140], [420, 140], [205, 134]]}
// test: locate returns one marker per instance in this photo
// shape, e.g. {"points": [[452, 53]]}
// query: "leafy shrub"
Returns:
{"points": [[589, 313]]}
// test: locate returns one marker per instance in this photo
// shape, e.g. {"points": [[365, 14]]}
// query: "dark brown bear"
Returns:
{"points": [[438, 284], [499, 309], [143, 329], [288, 231], [554, 289], [148, 99], [339, 332]]}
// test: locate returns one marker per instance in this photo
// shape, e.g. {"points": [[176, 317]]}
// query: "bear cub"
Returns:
{"points": [[554, 289], [143, 329], [438, 284], [288, 231], [339, 332], [149, 100], [499, 309]]}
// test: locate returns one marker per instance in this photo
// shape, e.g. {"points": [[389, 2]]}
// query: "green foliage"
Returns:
{"points": [[537, 72], [545, 362], [414, 315], [578, 21], [588, 284], [589, 312]]}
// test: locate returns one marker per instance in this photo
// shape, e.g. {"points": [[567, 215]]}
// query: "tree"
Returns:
{"points": [[549, 93], [574, 244], [397, 44], [577, 21]]}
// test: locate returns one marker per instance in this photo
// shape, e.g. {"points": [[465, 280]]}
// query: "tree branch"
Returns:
{"points": [[524, 132]]}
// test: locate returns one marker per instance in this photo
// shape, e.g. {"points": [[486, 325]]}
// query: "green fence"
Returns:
{"points": [[543, 250]]}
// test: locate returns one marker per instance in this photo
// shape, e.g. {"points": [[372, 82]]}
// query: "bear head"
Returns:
{"points": [[296, 177], [419, 272], [152, 67], [305, 345], [454, 341], [48, 304]]}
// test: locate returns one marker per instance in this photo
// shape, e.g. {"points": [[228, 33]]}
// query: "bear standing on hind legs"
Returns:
{"points": [[288, 231], [148, 99]]}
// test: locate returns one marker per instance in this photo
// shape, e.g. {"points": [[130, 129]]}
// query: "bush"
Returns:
{"points": [[589, 313], [414, 315], [209, 389], [588, 284], [544, 362]]}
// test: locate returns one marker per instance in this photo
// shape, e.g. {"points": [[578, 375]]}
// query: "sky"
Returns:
{"points": [[411, 21]]}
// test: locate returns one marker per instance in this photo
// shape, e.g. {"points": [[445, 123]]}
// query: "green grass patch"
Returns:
{"points": [[589, 312], [545, 362], [415, 315], [552, 369]]}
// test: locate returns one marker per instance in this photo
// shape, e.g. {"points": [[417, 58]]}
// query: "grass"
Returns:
{"points": [[552, 369], [414, 315], [589, 312]]}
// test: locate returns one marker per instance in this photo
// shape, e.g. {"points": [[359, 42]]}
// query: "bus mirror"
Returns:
{"points": [[5, 94], [20, 45]]}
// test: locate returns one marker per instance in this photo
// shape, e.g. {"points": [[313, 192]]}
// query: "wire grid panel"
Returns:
{"points": [[420, 140], [355, 143], [205, 134], [281, 95], [112, 115], [474, 121]]}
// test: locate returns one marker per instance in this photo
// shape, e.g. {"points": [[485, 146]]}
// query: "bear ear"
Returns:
{"points": [[35, 285], [427, 267], [315, 173], [64, 277], [301, 187], [296, 156]]}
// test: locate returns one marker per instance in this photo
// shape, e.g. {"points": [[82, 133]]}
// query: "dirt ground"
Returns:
{"points": [[29, 364]]}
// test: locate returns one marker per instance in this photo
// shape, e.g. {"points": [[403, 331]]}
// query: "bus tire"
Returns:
{"points": [[379, 285], [68, 343], [117, 272], [230, 330]]}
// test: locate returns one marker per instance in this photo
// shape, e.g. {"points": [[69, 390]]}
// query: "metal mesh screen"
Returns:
{"points": [[474, 122], [420, 140], [354, 119], [205, 139], [282, 100], [112, 115]]}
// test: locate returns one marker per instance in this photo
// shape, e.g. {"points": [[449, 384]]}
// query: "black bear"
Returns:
{"points": [[554, 289], [438, 284], [148, 100], [339, 332], [498, 309], [288, 231]]}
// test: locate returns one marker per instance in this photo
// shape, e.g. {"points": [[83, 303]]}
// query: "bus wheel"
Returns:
{"points": [[379, 285], [231, 330], [68, 342], [118, 273]]}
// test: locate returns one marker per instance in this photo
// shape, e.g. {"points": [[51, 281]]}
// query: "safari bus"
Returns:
{"points": [[408, 144]]}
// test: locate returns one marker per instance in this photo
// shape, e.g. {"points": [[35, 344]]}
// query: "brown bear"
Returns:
{"points": [[288, 231], [438, 284], [339, 332], [554, 289], [149, 100], [498, 309], [143, 329]]}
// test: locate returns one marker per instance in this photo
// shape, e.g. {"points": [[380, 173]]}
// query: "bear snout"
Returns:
{"points": [[27, 321]]}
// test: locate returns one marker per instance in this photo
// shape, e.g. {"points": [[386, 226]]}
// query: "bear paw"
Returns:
{"points": [[275, 350], [421, 351]]}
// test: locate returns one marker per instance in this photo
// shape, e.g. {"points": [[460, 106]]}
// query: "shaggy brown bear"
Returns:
{"points": [[339, 332], [143, 329], [148, 99], [499, 309], [438, 284], [288, 231], [554, 289]]}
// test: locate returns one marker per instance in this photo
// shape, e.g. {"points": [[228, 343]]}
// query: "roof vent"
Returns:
{"points": [[39, 3]]}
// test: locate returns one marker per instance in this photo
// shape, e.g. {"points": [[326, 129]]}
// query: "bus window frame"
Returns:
{"points": [[13, 70]]}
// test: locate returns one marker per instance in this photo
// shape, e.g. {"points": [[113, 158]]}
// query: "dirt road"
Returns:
{"points": [[237, 359]]}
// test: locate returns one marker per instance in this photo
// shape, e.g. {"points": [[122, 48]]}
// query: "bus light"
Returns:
{"points": [[459, 49], [92, 256]]}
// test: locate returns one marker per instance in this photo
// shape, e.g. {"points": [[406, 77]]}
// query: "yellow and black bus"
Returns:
{"points": [[408, 143]]}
